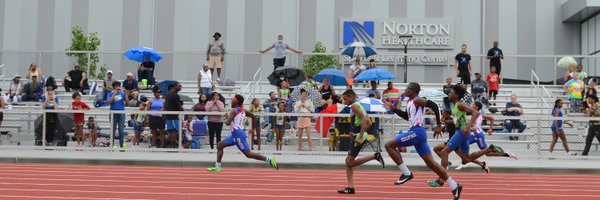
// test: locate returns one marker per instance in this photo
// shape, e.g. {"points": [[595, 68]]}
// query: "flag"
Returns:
{"points": [[327, 121]]}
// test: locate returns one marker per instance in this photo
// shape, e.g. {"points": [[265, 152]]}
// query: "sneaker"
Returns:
{"points": [[486, 168], [435, 183], [403, 179], [347, 190], [510, 155], [456, 192], [379, 159], [448, 167], [572, 153], [462, 166], [497, 149], [214, 169], [273, 163]]}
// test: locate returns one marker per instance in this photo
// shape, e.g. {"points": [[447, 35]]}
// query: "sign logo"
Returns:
{"points": [[354, 31]]}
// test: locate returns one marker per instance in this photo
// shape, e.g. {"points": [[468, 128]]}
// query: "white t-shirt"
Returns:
{"points": [[206, 81], [307, 103], [354, 68]]}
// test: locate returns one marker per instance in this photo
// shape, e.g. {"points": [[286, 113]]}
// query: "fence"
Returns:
{"points": [[242, 65], [20, 127]]}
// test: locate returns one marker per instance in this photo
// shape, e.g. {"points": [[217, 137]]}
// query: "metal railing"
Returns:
{"points": [[541, 91], [532, 143]]}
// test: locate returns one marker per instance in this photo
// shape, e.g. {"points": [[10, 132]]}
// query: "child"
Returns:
{"points": [[140, 121], [493, 79], [187, 125], [79, 118], [280, 122], [255, 108], [311, 83], [284, 92], [557, 127], [93, 130]]}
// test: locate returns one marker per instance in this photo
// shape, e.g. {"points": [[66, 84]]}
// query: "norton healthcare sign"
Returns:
{"points": [[384, 34]]}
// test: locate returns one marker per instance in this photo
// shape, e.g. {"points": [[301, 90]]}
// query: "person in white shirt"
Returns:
{"points": [[14, 90], [356, 69], [304, 106], [205, 84]]}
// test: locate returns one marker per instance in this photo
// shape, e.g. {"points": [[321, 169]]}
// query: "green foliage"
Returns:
{"points": [[91, 42], [313, 64]]}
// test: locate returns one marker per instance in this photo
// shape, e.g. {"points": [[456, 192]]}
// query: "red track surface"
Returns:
{"points": [[33, 181]]}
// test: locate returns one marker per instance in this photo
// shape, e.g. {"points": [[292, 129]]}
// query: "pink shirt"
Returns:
{"points": [[212, 107]]}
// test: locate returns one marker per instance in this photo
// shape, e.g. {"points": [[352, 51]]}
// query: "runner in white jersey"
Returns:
{"points": [[417, 136], [238, 135]]}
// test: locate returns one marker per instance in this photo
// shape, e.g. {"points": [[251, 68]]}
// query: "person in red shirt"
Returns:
{"points": [[79, 118], [493, 79]]}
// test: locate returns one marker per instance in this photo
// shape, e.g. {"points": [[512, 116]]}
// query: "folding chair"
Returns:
{"points": [[374, 135]]}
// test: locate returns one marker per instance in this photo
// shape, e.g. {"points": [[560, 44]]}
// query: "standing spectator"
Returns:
{"points": [[34, 70], [514, 109], [215, 122], [594, 130], [117, 101], [107, 85], [304, 106], [130, 86], [14, 90], [479, 88], [33, 90], [75, 80], [50, 103], [93, 130], [582, 76], [146, 71], [373, 92], [215, 54], [205, 83], [139, 121], [356, 69], [462, 65], [391, 94], [446, 89], [574, 89], [569, 73], [284, 91], [79, 118], [173, 103], [495, 56], [493, 79], [201, 106], [280, 53], [280, 124], [156, 121], [255, 109]]}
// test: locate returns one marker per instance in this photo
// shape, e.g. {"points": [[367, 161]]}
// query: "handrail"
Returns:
{"points": [[3, 75], [540, 89]]}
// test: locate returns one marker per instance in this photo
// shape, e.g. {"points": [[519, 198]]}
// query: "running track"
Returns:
{"points": [[44, 181]]}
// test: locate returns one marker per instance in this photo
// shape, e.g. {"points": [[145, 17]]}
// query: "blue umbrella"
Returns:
{"points": [[335, 76], [372, 105], [376, 74], [139, 54], [358, 49]]}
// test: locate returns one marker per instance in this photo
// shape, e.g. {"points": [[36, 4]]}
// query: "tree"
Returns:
{"points": [[91, 42], [313, 64]]}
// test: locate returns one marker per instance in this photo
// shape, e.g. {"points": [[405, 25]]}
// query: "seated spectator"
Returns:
{"points": [[479, 88], [446, 89], [311, 83], [373, 92], [34, 70], [146, 71], [130, 86], [14, 90], [75, 79], [514, 109], [391, 94], [33, 90], [327, 92], [356, 69]]}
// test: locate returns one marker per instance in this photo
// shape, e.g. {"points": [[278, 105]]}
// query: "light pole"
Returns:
{"points": [[405, 39]]}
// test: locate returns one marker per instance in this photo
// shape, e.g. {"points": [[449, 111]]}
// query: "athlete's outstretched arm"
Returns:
{"points": [[397, 110]]}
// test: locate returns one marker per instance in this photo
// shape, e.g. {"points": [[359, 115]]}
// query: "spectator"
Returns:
{"points": [[50, 83], [495, 56], [107, 86], [468, 98], [50, 103], [130, 86], [582, 76], [79, 118], [2, 104], [117, 101], [493, 79], [514, 109], [594, 129], [310, 82], [270, 105], [33, 90], [372, 64], [574, 89], [591, 88], [93, 130], [391, 94], [75, 80], [173, 103], [215, 54], [327, 92], [255, 109], [373, 92], [280, 53], [280, 123], [569, 73], [356, 68], [479, 88], [205, 84], [462, 65], [140, 120], [14, 90], [156, 121], [284, 91], [446, 89], [304, 106], [215, 122], [201, 105], [281, 79], [34, 70], [146, 71]]}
